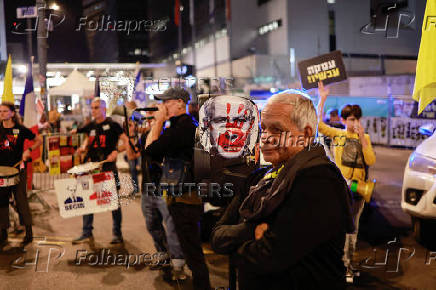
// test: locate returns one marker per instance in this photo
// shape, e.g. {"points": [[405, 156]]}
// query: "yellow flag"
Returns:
{"points": [[425, 82], [8, 96]]}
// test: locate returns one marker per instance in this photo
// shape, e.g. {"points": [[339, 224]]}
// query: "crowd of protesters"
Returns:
{"points": [[281, 230]]}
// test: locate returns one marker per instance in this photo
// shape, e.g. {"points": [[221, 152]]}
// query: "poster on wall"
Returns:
{"points": [[405, 131], [403, 108], [54, 154], [328, 68], [429, 112], [377, 128]]}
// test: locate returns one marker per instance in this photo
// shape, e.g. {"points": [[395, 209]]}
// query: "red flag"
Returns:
{"points": [[228, 10], [177, 12]]}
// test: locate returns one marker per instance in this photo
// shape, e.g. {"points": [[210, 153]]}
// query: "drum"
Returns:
{"points": [[9, 176], [85, 168]]}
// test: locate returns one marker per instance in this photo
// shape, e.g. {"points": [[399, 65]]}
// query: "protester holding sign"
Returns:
{"points": [[353, 154], [12, 136], [101, 146]]}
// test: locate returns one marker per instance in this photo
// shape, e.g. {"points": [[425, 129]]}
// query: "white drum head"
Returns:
{"points": [[6, 171], [84, 168]]}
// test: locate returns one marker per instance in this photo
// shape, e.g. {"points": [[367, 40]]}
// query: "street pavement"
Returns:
{"points": [[388, 256]]}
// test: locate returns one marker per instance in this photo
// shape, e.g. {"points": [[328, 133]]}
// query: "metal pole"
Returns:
{"points": [[390, 108], [29, 38], [42, 49], [229, 34], [212, 28], [214, 49], [3, 54], [192, 17], [193, 40], [180, 34]]}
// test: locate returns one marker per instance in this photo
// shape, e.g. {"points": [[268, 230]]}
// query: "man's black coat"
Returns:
{"points": [[303, 246]]}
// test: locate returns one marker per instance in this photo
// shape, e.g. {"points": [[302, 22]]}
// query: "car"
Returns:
{"points": [[419, 186]]}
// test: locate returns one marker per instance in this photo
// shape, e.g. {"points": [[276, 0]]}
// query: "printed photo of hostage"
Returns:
{"points": [[226, 154], [229, 126]]}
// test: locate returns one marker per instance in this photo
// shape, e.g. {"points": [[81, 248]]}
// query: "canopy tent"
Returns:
{"points": [[75, 84]]}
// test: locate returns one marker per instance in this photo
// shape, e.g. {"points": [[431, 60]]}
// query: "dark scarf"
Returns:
{"points": [[269, 193]]}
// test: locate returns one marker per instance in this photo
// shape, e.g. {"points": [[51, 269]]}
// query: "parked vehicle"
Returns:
{"points": [[419, 186]]}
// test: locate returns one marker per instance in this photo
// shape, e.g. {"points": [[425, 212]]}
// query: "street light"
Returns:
{"points": [[22, 69], [54, 6]]}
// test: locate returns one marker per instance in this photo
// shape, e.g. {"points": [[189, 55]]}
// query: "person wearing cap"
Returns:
{"points": [[158, 220], [176, 145]]}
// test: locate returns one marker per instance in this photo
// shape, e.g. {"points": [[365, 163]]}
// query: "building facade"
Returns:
{"points": [[263, 40], [3, 54]]}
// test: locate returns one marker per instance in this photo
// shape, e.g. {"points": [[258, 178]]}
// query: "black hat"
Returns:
{"points": [[174, 94]]}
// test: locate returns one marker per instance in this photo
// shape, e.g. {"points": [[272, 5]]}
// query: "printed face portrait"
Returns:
{"points": [[229, 124]]}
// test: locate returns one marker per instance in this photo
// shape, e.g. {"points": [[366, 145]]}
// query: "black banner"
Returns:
{"points": [[328, 68]]}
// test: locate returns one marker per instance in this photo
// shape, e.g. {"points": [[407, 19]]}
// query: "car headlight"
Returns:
{"points": [[421, 163]]}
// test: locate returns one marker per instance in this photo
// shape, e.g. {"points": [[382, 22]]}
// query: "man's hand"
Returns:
{"points": [[124, 138], [112, 157], [260, 229], [161, 114], [323, 91], [358, 128], [74, 131], [361, 133], [80, 150], [132, 128], [26, 155]]}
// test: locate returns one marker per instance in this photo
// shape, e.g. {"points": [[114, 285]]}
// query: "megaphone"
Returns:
{"points": [[364, 189]]}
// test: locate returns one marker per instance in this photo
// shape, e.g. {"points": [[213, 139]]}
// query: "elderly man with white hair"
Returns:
{"points": [[288, 230]]}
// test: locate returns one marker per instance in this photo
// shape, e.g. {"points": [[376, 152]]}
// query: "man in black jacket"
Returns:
{"points": [[176, 146], [289, 231]]}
